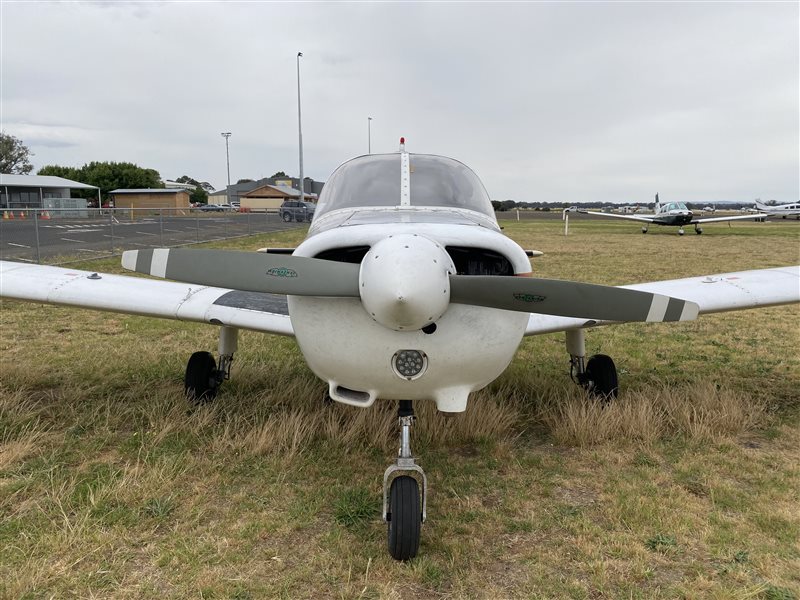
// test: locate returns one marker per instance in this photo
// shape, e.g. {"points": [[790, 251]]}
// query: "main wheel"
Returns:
{"points": [[200, 382], [405, 518], [644, 229], [287, 217], [698, 231], [681, 231], [603, 374]]}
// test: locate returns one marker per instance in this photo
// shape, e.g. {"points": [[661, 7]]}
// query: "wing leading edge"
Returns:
{"points": [[147, 297], [712, 293]]}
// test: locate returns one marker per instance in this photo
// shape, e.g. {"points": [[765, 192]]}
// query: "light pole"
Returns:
{"points": [[369, 135], [300, 129], [226, 135]]}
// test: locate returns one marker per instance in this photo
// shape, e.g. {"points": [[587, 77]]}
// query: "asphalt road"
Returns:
{"points": [[61, 239]]}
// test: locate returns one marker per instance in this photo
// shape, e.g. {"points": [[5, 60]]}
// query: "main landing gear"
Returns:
{"points": [[681, 231], [697, 229], [401, 497], [644, 229], [203, 375], [598, 376]]}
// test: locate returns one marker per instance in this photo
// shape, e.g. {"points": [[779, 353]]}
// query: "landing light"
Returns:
{"points": [[409, 364]]}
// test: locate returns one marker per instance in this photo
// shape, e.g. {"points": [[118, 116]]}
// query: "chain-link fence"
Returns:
{"points": [[71, 235]]}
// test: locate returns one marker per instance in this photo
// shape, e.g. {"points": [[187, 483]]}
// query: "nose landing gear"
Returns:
{"points": [[401, 498]]}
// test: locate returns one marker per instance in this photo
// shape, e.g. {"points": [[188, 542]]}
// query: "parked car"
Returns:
{"points": [[212, 208], [294, 210]]}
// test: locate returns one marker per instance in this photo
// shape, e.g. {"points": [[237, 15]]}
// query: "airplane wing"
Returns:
{"points": [[139, 296], [732, 218], [640, 218], [712, 293]]}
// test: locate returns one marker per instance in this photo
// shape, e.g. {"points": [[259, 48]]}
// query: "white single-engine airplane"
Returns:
{"points": [[405, 289], [676, 214], [792, 209]]}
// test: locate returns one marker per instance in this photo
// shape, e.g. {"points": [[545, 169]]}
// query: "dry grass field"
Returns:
{"points": [[687, 487]]}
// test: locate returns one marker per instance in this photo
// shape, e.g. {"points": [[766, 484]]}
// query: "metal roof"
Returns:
{"points": [[43, 181], [149, 191]]}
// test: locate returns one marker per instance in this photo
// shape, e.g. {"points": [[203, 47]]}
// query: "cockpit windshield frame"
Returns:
{"points": [[374, 181]]}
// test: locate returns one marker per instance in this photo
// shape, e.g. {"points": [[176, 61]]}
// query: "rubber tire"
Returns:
{"points": [[405, 518], [698, 231], [200, 380], [603, 373], [287, 217]]}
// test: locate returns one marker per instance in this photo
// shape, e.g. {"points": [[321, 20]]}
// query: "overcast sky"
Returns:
{"points": [[545, 101]]}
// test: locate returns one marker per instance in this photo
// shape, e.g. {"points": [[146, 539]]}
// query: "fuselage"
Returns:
{"points": [[402, 339], [791, 209]]}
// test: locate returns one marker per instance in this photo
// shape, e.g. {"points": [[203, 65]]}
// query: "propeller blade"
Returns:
{"points": [[568, 299], [247, 271]]}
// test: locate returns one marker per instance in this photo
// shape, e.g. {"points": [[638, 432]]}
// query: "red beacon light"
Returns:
{"points": [[402, 144]]}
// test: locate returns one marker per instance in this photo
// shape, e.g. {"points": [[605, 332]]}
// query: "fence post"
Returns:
{"points": [[36, 227], [197, 232], [161, 226], [111, 222]]}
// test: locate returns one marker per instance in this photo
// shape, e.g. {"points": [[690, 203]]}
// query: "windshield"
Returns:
{"points": [[374, 180]]}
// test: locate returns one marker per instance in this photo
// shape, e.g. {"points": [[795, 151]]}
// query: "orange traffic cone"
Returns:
{"points": [[5, 215], [46, 215], [21, 215]]}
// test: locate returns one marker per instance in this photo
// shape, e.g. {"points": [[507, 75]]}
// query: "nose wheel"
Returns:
{"points": [[401, 497]]}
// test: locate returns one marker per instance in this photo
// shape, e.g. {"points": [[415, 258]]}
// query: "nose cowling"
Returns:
{"points": [[404, 282]]}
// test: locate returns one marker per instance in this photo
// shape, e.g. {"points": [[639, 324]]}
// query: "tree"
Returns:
{"points": [[244, 181], [279, 174], [14, 155], [107, 176], [199, 196]]}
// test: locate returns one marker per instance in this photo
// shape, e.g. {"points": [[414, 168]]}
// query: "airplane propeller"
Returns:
{"points": [[302, 276]]}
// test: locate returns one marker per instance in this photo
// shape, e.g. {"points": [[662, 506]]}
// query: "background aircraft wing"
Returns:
{"points": [[640, 218], [712, 293], [148, 297], [731, 218]]}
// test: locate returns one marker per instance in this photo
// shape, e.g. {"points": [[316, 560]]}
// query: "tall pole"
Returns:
{"points": [[369, 135], [300, 130], [226, 135]]}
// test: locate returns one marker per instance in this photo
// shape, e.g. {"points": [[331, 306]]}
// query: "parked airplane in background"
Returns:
{"points": [[675, 214], [791, 209], [405, 289]]}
